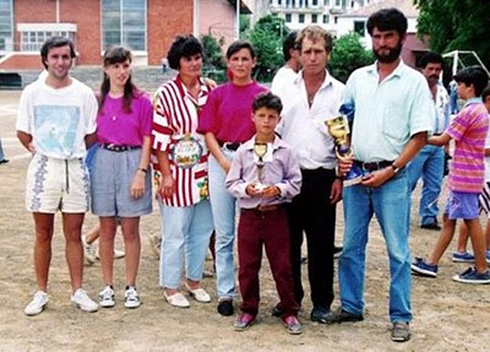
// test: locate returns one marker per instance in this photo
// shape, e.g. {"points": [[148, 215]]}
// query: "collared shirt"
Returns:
{"points": [[469, 129], [284, 76], [388, 113], [303, 127], [283, 171], [175, 120], [443, 109]]}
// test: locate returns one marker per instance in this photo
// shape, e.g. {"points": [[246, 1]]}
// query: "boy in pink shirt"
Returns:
{"points": [[469, 130]]}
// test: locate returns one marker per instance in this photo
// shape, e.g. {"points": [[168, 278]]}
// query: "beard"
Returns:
{"points": [[392, 55]]}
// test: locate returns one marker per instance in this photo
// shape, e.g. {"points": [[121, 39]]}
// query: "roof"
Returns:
{"points": [[405, 6]]}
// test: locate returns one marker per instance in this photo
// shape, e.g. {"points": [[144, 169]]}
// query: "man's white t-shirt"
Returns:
{"points": [[58, 119]]}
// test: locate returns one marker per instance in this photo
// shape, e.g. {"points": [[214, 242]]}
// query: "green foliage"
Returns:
{"points": [[456, 25], [213, 64], [244, 26], [267, 36], [348, 54]]}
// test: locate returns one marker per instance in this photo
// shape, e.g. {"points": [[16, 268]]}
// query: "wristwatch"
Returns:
{"points": [[395, 168]]}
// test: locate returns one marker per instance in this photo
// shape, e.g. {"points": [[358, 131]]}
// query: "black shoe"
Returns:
{"points": [[320, 314], [225, 307], [277, 312], [342, 316], [431, 226], [4, 161], [303, 260]]}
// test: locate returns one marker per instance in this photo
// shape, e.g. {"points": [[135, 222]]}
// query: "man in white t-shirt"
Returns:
{"points": [[56, 122], [286, 74]]}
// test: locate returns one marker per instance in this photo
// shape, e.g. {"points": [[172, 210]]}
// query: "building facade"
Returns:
{"points": [[147, 27]]}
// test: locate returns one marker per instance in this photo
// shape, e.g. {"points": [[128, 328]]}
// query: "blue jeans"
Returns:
{"points": [[391, 205], [428, 164], [186, 238], [223, 206], [2, 155]]}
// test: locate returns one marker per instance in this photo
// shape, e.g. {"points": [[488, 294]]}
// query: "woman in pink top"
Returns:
{"points": [[121, 183], [227, 123]]}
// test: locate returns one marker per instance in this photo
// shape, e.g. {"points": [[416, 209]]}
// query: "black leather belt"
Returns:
{"points": [[119, 148], [373, 166], [230, 145]]}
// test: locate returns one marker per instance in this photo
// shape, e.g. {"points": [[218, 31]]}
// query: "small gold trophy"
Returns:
{"points": [[260, 150], [338, 128]]}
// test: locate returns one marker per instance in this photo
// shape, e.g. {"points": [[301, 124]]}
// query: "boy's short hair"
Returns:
{"points": [[486, 93], [183, 46], [315, 32], [238, 45], [289, 43], [56, 42], [473, 75], [388, 20], [269, 101]]}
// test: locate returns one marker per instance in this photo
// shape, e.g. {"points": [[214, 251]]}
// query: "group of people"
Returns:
{"points": [[216, 149]]}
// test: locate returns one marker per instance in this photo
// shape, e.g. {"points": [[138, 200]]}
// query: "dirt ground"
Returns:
{"points": [[448, 316]]}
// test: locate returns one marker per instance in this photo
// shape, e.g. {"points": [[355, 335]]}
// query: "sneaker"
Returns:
{"points": [[400, 332], [343, 316], [422, 268], [82, 301], [106, 297], [292, 325], [471, 276], [118, 254], [320, 314], [243, 321], [337, 252], [464, 257], [89, 251], [431, 226], [488, 257], [277, 312], [37, 304], [225, 307], [131, 298]]}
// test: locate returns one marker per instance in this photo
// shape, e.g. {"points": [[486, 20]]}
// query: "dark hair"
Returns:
{"points": [[314, 33], [486, 93], [56, 42], [238, 45], [431, 58], [473, 75], [267, 100], [117, 55], [183, 46], [387, 20], [289, 43]]}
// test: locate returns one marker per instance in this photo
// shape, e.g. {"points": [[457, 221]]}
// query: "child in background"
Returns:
{"points": [[469, 129], [462, 255], [264, 175]]}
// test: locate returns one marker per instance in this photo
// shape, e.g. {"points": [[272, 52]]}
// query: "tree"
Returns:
{"points": [[213, 64], [348, 54], [267, 36], [456, 25]]}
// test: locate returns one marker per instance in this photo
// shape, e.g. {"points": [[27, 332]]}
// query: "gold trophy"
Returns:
{"points": [[338, 128], [260, 150]]}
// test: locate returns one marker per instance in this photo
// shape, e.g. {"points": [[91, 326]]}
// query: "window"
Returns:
{"points": [[314, 2], [6, 26], [326, 2], [124, 23], [326, 19], [337, 3], [359, 27], [314, 18], [301, 18], [288, 18], [33, 35]]}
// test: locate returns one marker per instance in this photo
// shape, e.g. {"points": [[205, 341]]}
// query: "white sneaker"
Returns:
{"points": [[89, 251], [82, 301], [131, 298], [117, 254], [37, 304], [106, 297]]}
